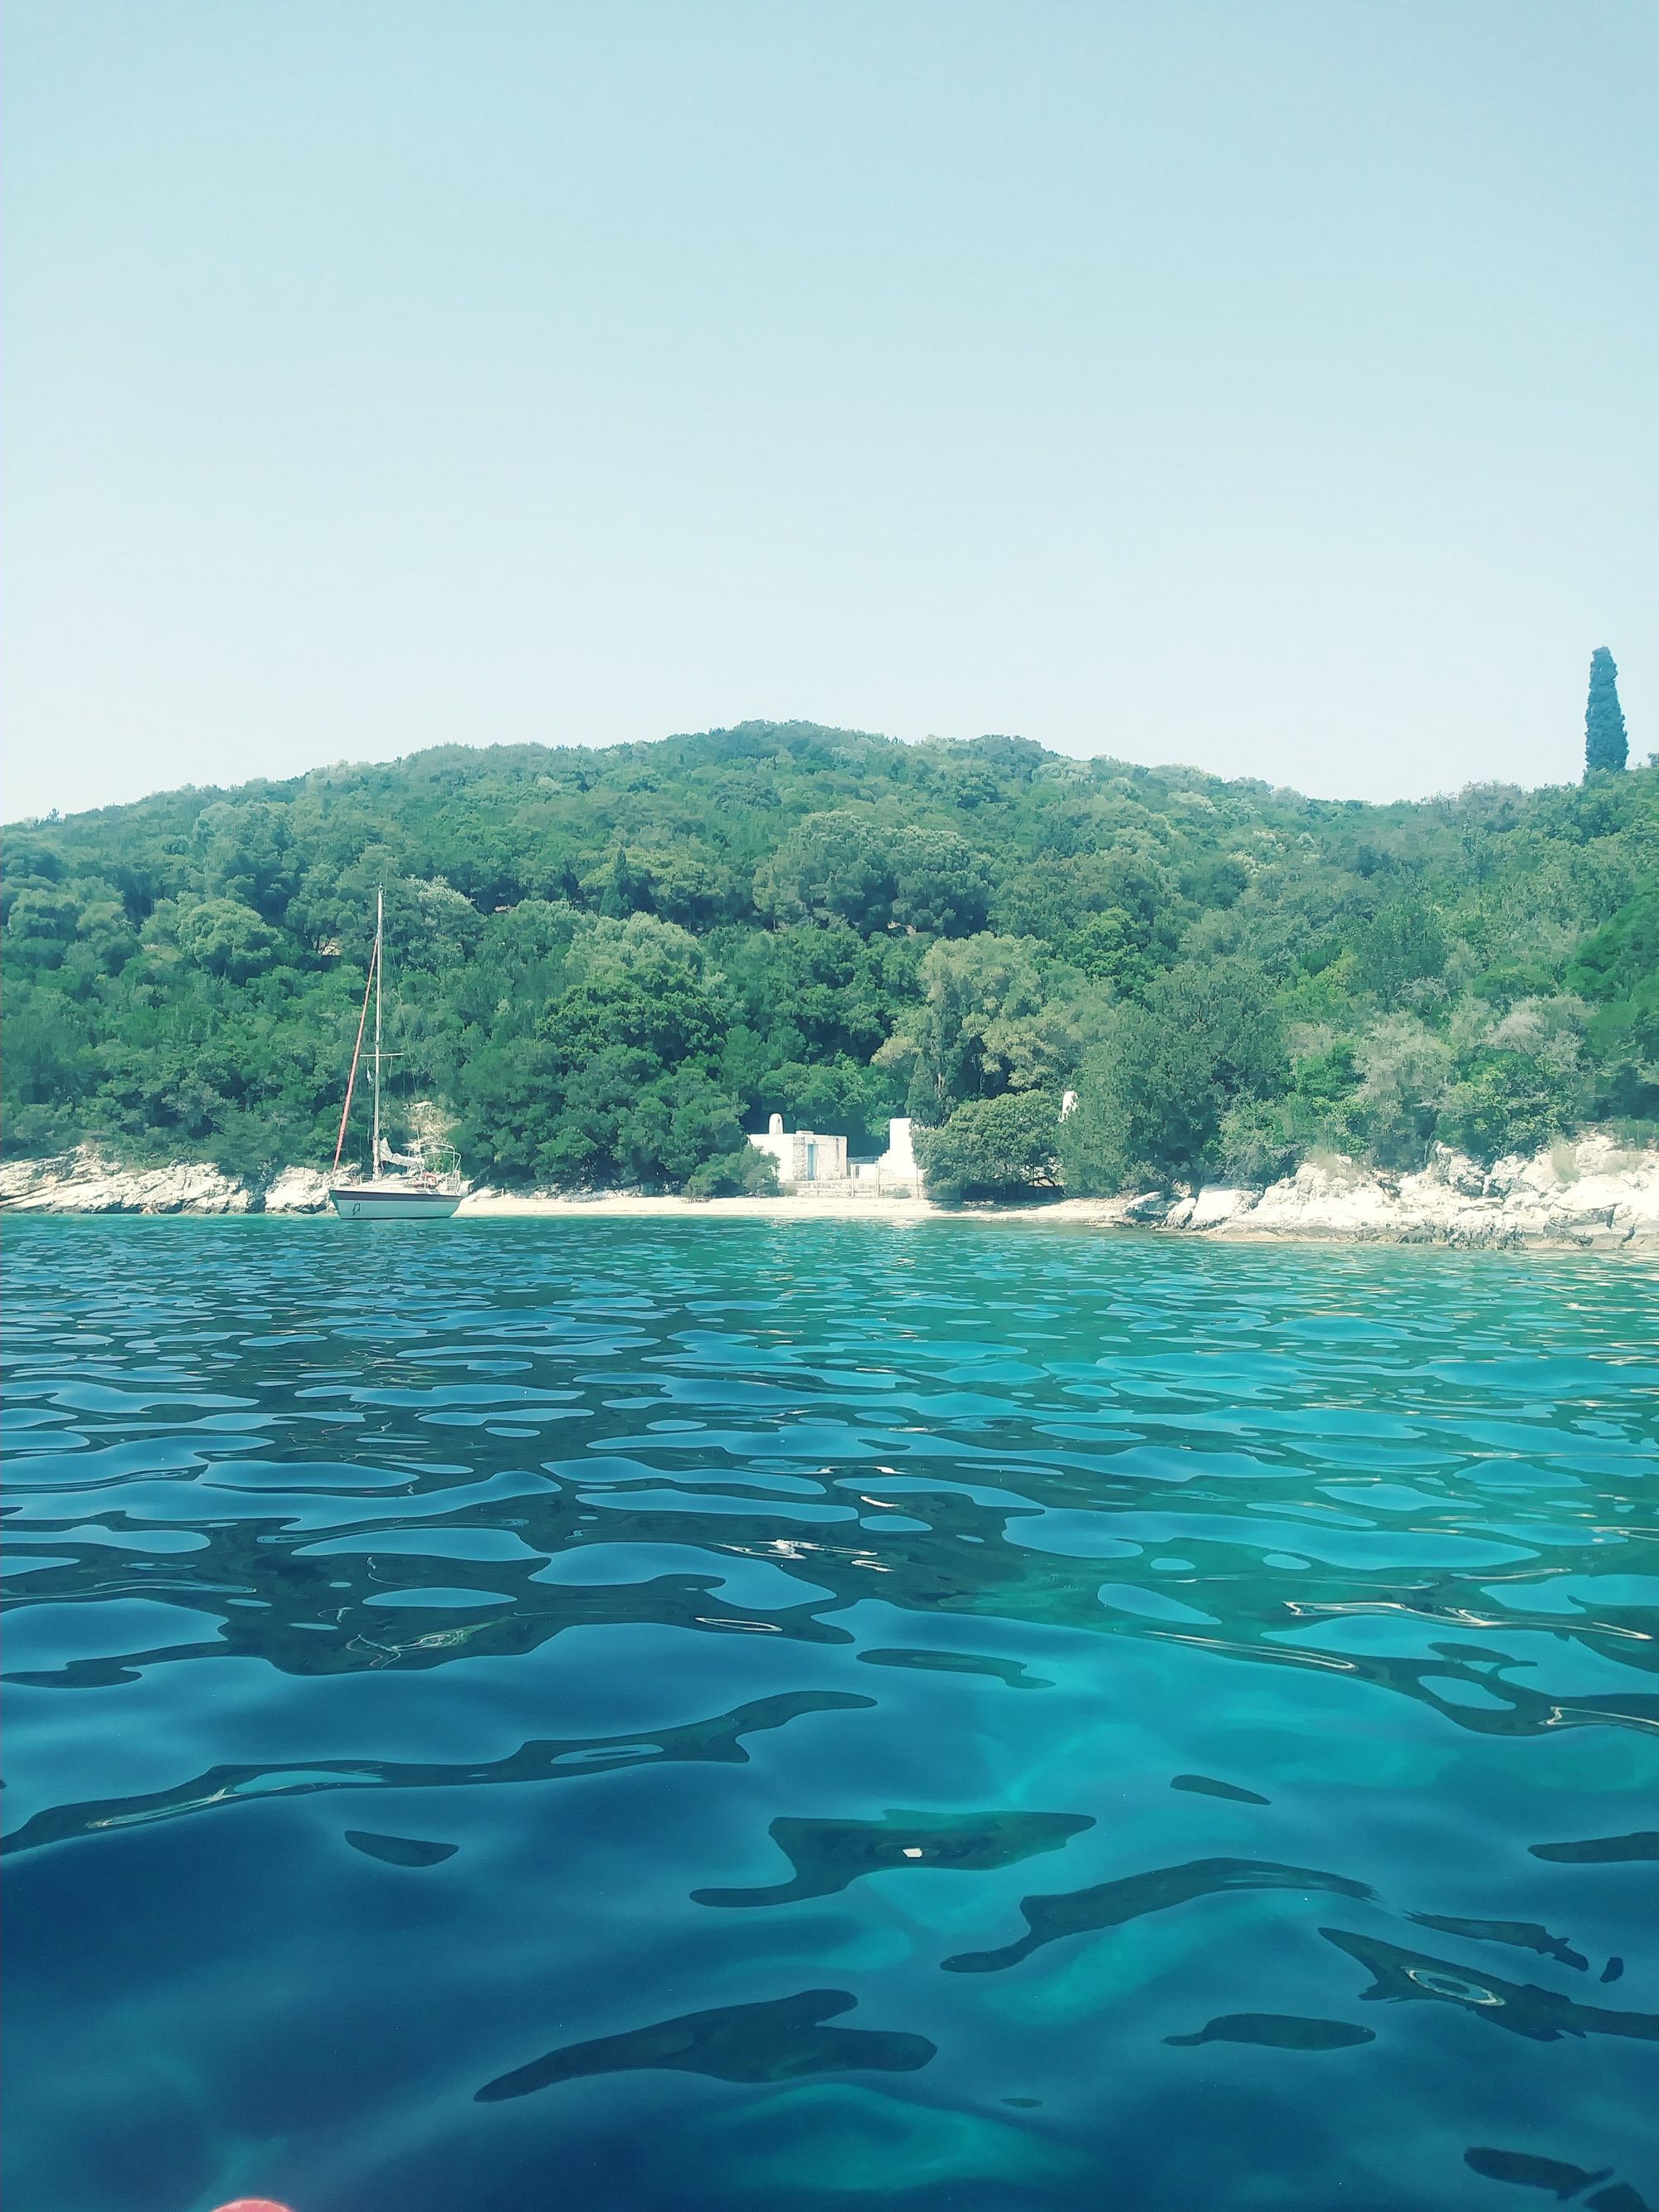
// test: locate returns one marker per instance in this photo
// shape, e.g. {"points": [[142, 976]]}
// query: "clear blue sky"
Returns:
{"points": [[1270, 386]]}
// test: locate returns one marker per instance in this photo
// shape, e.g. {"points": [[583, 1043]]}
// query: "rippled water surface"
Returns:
{"points": [[668, 1716]]}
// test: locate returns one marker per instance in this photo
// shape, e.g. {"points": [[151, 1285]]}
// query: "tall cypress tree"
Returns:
{"points": [[1604, 717]]}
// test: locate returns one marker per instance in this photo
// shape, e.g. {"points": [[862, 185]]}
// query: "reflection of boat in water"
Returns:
{"points": [[418, 1191]]}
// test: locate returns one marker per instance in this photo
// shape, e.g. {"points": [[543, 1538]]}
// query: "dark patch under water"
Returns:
{"points": [[399, 1850], [1280, 2030], [700, 1717], [1205, 1786], [779, 2041]]}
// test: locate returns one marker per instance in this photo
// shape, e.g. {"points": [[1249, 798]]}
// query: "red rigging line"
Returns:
{"points": [[356, 1053]]}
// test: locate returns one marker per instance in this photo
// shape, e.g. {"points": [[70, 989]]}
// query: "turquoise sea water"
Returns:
{"points": [[663, 1716]]}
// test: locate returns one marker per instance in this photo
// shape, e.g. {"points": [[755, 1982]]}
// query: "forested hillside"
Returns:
{"points": [[607, 965]]}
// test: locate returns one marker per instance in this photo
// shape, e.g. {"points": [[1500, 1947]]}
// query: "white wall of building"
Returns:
{"points": [[899, 1159]]}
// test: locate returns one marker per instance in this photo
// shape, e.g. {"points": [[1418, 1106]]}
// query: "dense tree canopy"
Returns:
{"points": [[604, 966]]}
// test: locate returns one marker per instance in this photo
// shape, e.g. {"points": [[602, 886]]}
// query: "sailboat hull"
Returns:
{"points": [[367, 1202]]}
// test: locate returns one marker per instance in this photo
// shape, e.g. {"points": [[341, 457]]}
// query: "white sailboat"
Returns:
{"points": [[419, 1194]]}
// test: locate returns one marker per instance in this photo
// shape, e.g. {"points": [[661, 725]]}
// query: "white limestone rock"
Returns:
{"points": [[1593, 1194], [23, 1180], [82, 1181], [1457, 1171], [1152, 1205], [1323, 1198], [297, 1190], [1623, 1180], [1217, 1203]]}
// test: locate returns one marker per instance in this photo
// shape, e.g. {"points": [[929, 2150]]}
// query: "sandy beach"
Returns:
{"points": [[511, 1204]]}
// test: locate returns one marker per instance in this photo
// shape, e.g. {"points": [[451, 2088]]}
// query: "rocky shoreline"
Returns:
{"points": [[85, 1182], [1593, 1195], [1590, 1195]]}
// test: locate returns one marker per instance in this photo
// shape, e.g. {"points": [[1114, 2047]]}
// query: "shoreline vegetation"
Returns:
{"points": [[1075, 978], [1592, 1195]]}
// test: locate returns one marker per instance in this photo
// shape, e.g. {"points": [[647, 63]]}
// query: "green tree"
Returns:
{"points": [[1406, 1069], [990, 1020], [1617, 968], [992, 1148], [226, 938], [41, 924], [831, 867], [1604, 744], [848, 866], [1405, 945], [940, 884], [1153, 1094], [1109, 949], [1505, 1102], [745, 1173]]}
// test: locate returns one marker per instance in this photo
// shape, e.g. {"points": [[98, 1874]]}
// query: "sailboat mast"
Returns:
{"points": [[380, 940]]}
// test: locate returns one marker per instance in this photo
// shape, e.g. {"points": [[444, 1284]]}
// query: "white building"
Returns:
{"points": [[808, 1160], [802, 1155]]}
